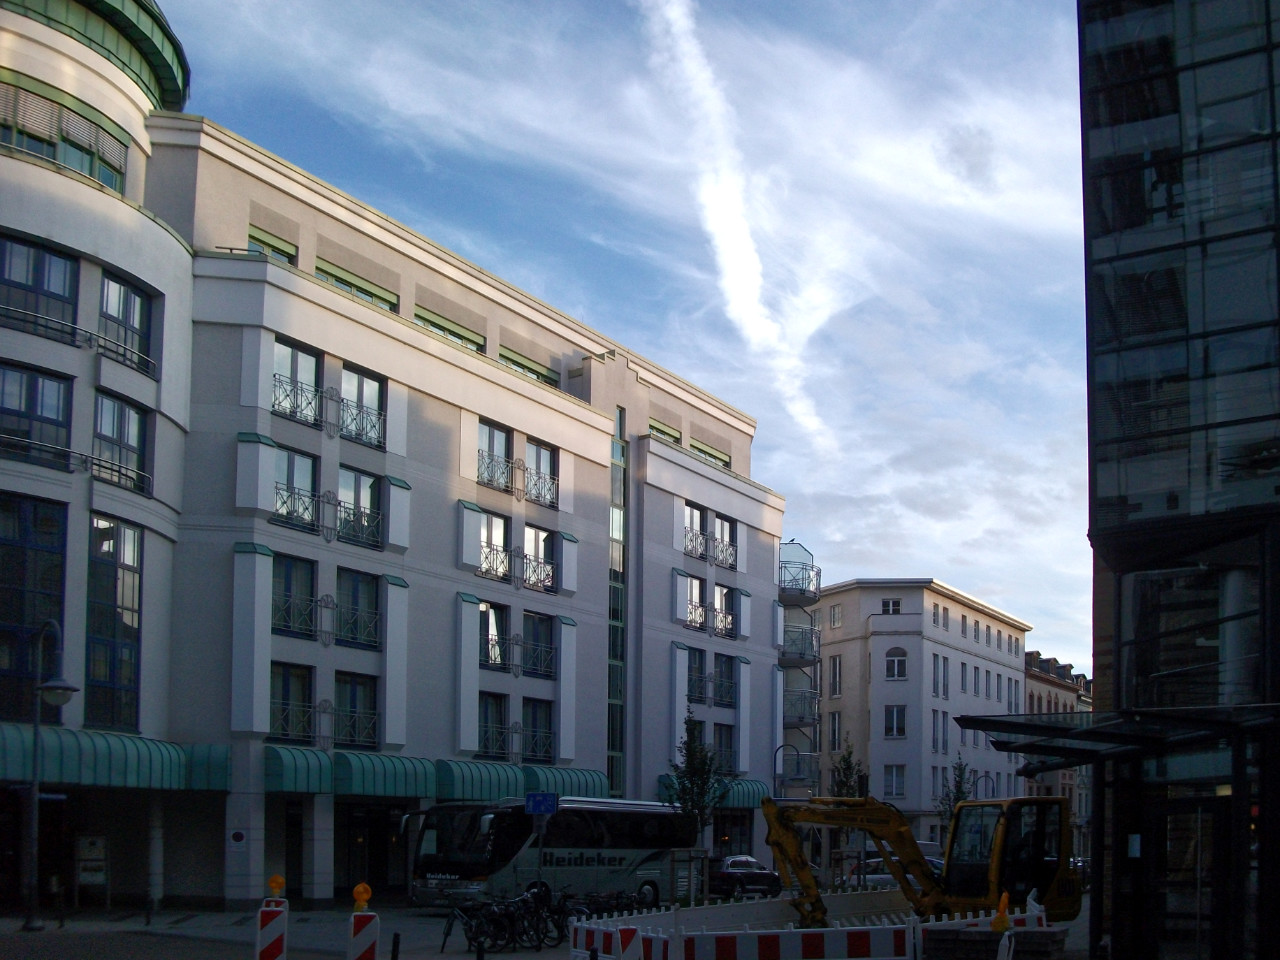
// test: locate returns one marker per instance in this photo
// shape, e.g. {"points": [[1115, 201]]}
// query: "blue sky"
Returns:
{"points": [[859, 221]]}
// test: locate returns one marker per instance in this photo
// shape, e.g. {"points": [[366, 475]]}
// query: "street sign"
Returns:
{"points": [[540, 803]]}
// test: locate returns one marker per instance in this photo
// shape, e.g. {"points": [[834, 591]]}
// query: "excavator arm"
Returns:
{"points": [[889, 831]]}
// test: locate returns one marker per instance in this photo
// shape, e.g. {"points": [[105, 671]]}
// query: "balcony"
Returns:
{"points": [[543, 488], [799, 708], [799, 768], [799, 645], [724, 624], [724, 692], [538, 659], [799, 579], [363, 424], [724, 553], [122, 352], [296, 400], [696, 691], [496, 653], [494, 471], [120, 474], [537, 746], [292, 721], [697, 616], [296, 507], [357, 627], [495, 742], [294, 616], [495, 562], [695, 543], [64, 458], [539, 574], [355, 728], [726, 759], [51, 328], [359, 525]]}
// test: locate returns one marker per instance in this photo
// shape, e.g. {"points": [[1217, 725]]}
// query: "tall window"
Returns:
{"points": [[35, 416], [495, 640], [964, 625], [697, 691], [697, 618], [292, 702], [725, 625], [37, 290], [114, 628], [891, 606], [725, 687], [695, 531], [293, 596], [495, 734], [40, 126], [541, 476], [937, 675], [837, 615], [946, 731], [357, 622], [493, 465], [359, 516], [495, 551], [363, 419], [539, 558], [295, 384], [722, 746], [936, 615], [895, 720], [355, 710], [124, 323], [895, 664], [834, 735], [946, 677], [33, 550], [988, 634], [946, 618], [537, 741], [538, 656], [833, 676], [964, 677], [119, 436], [935, 731], [296, 489], [895, 780], [724, 543], [988, 683]]}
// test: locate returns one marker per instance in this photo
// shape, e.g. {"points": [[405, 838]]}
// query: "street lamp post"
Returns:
{"points": [[56, 691], [780, 775], [991, 788]]}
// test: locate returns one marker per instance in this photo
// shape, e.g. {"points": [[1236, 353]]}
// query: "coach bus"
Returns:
{"points": [[590, 846]]}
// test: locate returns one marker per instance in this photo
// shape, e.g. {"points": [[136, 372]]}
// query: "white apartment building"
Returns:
{"points": [[332, 523], [901, 659]]}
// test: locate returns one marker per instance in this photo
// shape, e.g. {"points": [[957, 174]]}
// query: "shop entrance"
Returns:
{"points": [[1185, 871], [368, 848]]}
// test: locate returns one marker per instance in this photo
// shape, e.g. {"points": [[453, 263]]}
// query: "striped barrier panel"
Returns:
{"points": [[363, 944], [273, 930], [868, 943]]}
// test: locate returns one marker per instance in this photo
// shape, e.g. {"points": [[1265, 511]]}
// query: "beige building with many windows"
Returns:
{"points": [[330, 523]]}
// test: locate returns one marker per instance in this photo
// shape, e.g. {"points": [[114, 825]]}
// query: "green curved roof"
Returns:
{"points": [[132, 34]]}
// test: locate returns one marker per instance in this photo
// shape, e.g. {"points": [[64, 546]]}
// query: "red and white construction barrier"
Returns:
{"points": [[363, 944], [273, 930]]}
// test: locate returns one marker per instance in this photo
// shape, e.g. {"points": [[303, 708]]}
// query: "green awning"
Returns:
{"points": [[382, 775], [478, 780], [297, 770], [566, 781], [92, 758], [208, 766], [743, 794]]}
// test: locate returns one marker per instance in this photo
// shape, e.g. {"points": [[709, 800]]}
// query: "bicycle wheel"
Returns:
{"points": [[495, 932]]}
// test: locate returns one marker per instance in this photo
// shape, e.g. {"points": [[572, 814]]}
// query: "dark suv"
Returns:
{"points": [[739, 875]]}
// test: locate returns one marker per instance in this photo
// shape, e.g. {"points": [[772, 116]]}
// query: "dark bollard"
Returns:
{"points": [[149, 903], [594, 954], [479, 949], [395, 946]]}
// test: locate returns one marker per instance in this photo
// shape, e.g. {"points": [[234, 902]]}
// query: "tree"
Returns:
{"points": [[848, 779], [699, 782], [958, 788]]}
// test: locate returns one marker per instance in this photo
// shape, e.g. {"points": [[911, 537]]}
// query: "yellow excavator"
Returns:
{"points": [[1013, 846]]}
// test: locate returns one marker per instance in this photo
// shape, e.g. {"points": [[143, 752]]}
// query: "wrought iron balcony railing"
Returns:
{"points": [[495, 562], [697, 688], [495, 741], [537, 746], [363, 424], [121, 474], [726, 759], [494, 471], [724, 692], [51, 328], [543, 488], [293, 615], [296, 400], [359, 524], [121, 351], [724, 624], [296, 507], [724, 553], [495, 653], [695, 543], [292, 721], [538, 659], [799, 579], [539, 574], [697, 618], [64, 458], [355, 728], [357, 627]]}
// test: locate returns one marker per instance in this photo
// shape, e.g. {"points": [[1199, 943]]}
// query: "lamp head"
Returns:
{"points": [[58, 691]]}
